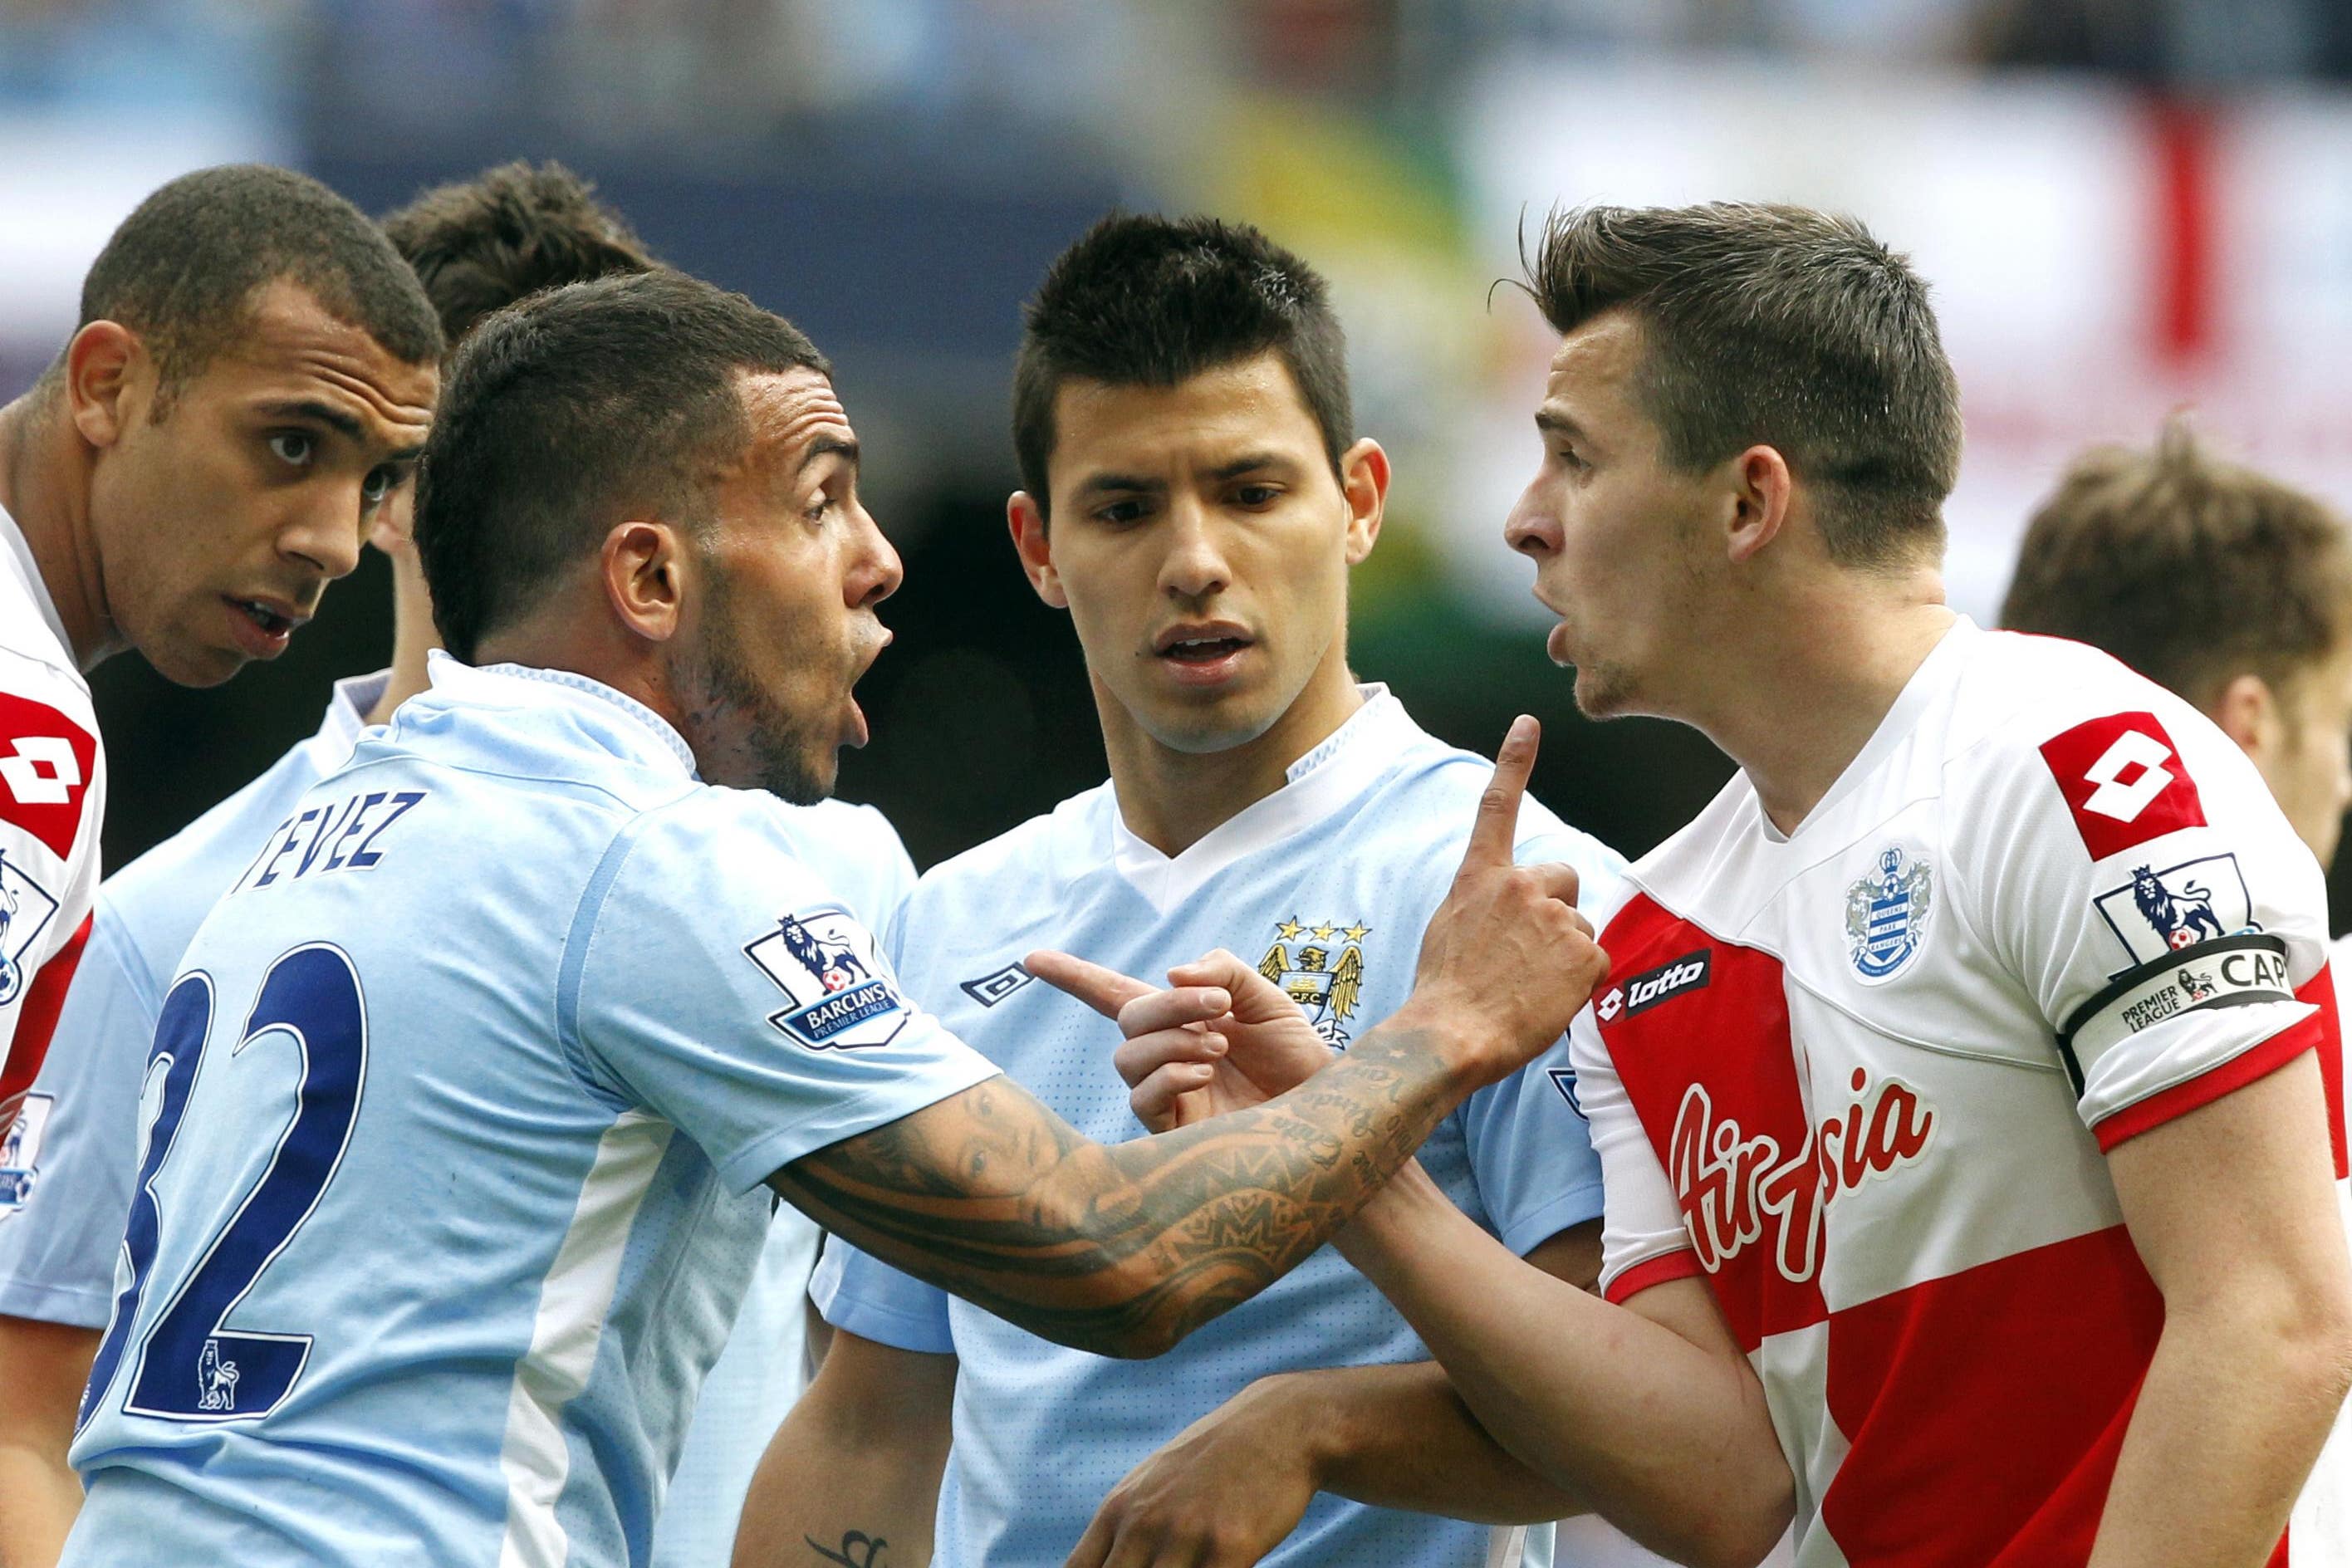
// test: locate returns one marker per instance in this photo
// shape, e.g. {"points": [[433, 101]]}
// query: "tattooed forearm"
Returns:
{"points": [[1125, 1249]]}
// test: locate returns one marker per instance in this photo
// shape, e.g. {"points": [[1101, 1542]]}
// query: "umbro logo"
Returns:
{"points": [[1652, 986], [990, 989]]}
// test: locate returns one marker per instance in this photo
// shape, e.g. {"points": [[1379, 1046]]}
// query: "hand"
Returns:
{"points": [[1224, 1491], [1506, 961], [1221, 1038]]}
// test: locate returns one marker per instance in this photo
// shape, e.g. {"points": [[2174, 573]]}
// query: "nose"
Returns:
{"points": [[1195, 565], [327, 535], [1530, 529], [879, 571]]}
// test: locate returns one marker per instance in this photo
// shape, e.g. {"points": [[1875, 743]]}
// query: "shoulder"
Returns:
{"points": [[1022, 869], [195, 866]]}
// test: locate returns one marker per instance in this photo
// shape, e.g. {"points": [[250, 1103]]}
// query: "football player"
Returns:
{"points": [[466, 1081], [250, 382], [1194, 497], [476, 245], [2234, 591], [1969, 1185], [252, 376]]}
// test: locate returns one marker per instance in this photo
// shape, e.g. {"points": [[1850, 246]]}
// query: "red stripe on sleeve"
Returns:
{"points": [[1679, 1264], [38, 1020], [2230, 1077], [2320, 992]]}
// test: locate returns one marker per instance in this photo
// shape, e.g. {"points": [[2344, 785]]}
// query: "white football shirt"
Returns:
{"points": [[1861, 1079]]}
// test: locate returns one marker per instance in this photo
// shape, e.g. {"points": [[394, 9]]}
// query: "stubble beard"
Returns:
{"points": [[742, 736]]}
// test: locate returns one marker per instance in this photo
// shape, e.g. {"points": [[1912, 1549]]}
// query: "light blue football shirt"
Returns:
{"points": [[463, 1101], [1326, 884]]}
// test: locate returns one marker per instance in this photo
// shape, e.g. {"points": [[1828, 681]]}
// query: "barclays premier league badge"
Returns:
{"points": [[839, 1004], [1886, 915]]}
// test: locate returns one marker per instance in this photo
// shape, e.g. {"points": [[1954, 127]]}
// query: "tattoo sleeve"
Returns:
{"points": [[1125, 1249]]}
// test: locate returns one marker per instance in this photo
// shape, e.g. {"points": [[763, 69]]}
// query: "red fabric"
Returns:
{"points": [[2234, 1074], [2123, 782], [38, 1020], [1986, 1409], [2320, 992], [1679, 1264], [46, 764]]}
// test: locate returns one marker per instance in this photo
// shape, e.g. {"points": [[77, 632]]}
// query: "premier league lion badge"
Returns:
{"points": [[821, 961], [1886, 914], [1321, 966]]}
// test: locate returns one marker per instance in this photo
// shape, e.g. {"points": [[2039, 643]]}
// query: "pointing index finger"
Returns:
{"points": [[1105, 990], [1497, 827]]}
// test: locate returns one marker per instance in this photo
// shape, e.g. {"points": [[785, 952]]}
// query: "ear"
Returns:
{"points": [[110, 381], [1026, 522], [393, 529], [644, 568], [2247, 709], [1761, 490], [1364, 482]]}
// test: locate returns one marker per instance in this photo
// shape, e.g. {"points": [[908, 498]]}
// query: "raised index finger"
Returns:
{"points": [[1497, 827], [1105, 990]]}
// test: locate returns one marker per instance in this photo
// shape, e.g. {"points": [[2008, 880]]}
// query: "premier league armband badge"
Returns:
{"points": [[841, 1000]]}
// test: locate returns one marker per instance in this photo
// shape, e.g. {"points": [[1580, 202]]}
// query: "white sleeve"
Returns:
{"points": [[1642, 1240], [2133, 871]]}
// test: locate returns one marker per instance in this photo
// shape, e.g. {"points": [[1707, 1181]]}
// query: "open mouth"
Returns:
{"points": [[271, 623], [1203, 650]]}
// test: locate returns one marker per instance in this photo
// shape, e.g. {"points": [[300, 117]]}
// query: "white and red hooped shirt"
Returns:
{"points": [[52, 801], [1862, 1077]]}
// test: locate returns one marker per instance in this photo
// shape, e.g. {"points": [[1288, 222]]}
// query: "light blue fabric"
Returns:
{"points": [[588, 1004], [1329, 882]]}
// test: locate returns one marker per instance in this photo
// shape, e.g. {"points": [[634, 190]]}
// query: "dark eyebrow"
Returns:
{"points": [[828, 446], [340, 422], [1249, 462], [1121, 484], [1556, 423]]}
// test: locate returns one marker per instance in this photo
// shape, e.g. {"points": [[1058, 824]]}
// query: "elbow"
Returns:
{"points": [[1745, 1537]]}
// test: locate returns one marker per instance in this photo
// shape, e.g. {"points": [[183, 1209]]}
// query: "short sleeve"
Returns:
{"points": [[50, 798], [1531, 1149], [2133, 871], [875, 1301], [1643, 1239], [69, 1160], [712, 978]]}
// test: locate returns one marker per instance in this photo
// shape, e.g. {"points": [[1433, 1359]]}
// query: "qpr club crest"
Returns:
{"points": [[821, 961], [1321, 966], [1886, 914]]}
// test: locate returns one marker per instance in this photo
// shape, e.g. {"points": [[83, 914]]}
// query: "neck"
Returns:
{"points": [[413, 635], [1172, 799], [1803, 693], [45, 486]]}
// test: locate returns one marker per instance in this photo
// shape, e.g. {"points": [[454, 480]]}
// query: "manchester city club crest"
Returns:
{"points": [[1886, 914], [1321, 968]]}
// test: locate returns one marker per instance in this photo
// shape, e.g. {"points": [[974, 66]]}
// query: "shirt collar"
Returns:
{"points": [[1314, 786], [19, 554], [1935, 673], [621, 720]]}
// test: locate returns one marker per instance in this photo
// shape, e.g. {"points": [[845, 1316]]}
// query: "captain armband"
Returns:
{"points": [[2227, 971]]}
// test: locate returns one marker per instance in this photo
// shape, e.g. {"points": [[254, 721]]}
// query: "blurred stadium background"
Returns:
{"points": [[2125, 205]]}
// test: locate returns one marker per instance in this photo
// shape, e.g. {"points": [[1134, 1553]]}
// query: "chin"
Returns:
{"points": [[193, 664]]}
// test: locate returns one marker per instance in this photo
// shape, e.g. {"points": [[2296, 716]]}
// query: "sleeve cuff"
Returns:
{"points": [[2258, 1061], [64, 1304], [1679, 1264], [1526, 1232]]}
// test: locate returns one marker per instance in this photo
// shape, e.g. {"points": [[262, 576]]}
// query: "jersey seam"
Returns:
{"points": [[580, 936]]}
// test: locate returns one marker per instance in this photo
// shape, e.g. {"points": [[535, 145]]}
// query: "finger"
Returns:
{"points": [[1155, 1100], [1254, 996], [1094, 1547], [1104, 990], [1497, 823], [1173, 1009], [1139, 1057], [1555, 880]]}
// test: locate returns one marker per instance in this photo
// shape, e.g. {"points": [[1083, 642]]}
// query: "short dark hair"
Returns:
{"points": [[2191, 569], [484, 243], [1780, 326], [182, 268], [579, 406], [1145, 300]]}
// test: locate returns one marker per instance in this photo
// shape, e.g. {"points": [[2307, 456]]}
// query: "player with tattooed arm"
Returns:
{"points": [[431, 1249]]}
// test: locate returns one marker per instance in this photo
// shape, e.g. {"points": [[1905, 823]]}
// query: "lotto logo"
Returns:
{"points": [[1652, 986], [2123, 782], [46, 763]]}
